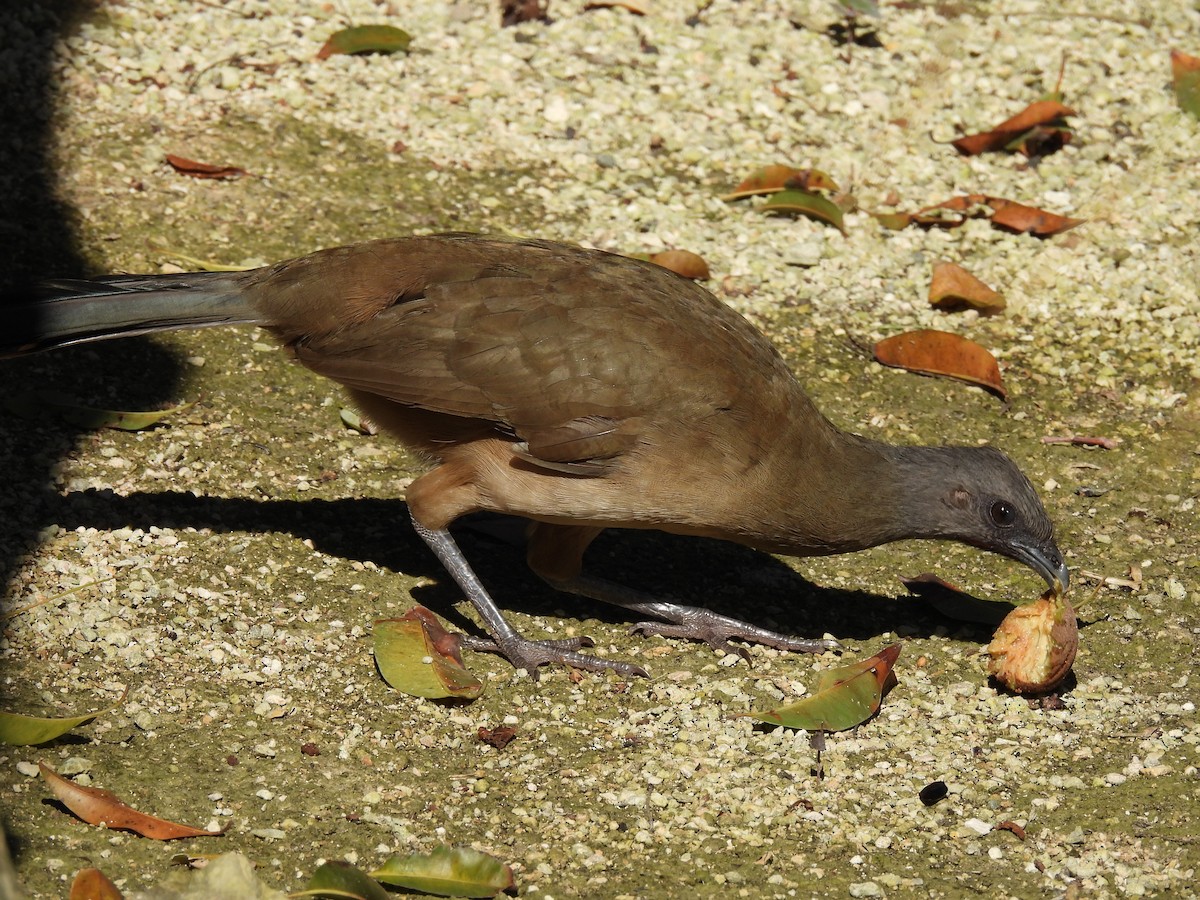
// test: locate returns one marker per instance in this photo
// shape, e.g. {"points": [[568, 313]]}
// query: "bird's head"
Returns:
{"points": [[978, 496]]}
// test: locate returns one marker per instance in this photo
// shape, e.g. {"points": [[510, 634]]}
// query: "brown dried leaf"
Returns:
{"points": [[633, 6], [770, 179], [499, 737], [1105, 443], [682, 262], [953, 288], [185, 166], [1027, 219], [514, 12], [931, 352], [92, 884], [100, 807], [1039, 113]]}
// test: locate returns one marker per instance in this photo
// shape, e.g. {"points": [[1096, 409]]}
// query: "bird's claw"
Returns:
{"points": [[529, 655], [716, 630]]}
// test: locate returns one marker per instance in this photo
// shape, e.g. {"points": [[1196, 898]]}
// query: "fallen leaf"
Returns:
{"points": [[499, 737], [844, 697], [185, 166], [955, 603], [355, 421], [337, 878], [23, 731], [100, 807], [953, 288], [38, 405], [1040, 113], [419, 657], [1023, 219], [92, 884], [366, 39], [1106, 443], [806, 203], [1185, 76], [633, 6], [1035, 646], [931, 352], [682, 262], [448, 872], [1009, 825], [775, 178], [514, 12], [1006, 214]]}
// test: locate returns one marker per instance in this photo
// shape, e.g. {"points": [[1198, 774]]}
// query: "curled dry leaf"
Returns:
{"points": [[1040, 114], [1006, 214], [774, 178], [185, 166], [931, 352], [100, 807], [633, 6], [1105, 443], [1034, 647], [682, 262], [953, 288]]}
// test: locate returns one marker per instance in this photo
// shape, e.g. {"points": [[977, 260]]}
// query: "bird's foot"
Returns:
{"points": [[528, 655], [716, 630]]}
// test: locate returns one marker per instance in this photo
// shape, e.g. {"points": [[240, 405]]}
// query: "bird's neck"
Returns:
{"points": [[842, 492]]}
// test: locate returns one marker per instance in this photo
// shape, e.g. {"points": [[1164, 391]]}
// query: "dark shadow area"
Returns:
{"points": [[727, 578]]}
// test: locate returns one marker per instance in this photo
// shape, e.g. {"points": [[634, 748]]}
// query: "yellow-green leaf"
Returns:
{"points": [[806, 203], [22, 731], [39, 405], [410, 660], [339, 879], [845, 696], [366, 39], [448, 872]]}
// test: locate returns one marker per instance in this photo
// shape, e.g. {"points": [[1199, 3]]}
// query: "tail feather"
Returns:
{"points": [[75, 312]]}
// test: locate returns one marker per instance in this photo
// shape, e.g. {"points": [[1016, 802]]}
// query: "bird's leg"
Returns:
{"points": [[521, 652], [556, 551]]}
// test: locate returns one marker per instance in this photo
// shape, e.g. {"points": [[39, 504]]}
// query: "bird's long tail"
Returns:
{"points": [[74, 312]]}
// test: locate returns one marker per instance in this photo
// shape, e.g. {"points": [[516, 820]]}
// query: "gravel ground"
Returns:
{"points": [[230, 563]]}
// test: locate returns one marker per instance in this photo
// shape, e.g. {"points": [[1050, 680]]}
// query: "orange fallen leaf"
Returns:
{"points": [[100, 807], [682, 262], [1027, 219], [92, 884], [1006, 214], [953, 288], [185, 166], [931, 352], [774, 178], [1037, 114]]}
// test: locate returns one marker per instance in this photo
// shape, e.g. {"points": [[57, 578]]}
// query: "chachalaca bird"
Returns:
{"points": [[580, 390]]}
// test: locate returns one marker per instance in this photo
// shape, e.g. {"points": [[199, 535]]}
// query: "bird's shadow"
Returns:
{"points": [[727, 578]]}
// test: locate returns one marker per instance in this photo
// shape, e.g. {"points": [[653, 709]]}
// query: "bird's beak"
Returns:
{"points": [[1047, 561]]}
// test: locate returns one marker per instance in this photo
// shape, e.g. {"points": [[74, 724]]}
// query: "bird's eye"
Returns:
{"points": [[1002, 514]]}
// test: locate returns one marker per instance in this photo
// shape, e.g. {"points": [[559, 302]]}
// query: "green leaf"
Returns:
{"points": [[39, 405], [808, 204], [413, 657], [448, 872], [366, 39], [23, 731], [340, 879], [844, 697]]}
